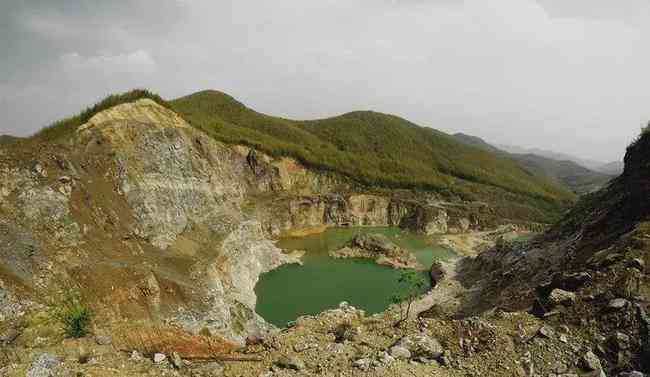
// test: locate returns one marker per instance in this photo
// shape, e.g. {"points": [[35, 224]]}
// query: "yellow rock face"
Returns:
{"points": [[141, 111]]}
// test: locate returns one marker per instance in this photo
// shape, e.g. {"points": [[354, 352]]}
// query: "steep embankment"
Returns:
{"points": [[380, 150], [143, 213], [588, 271]]}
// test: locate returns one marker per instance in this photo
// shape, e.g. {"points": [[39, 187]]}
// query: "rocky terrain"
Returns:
{"points": [[378, 248], [165, 231]]}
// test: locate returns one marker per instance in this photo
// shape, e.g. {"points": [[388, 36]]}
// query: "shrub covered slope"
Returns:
{"points": [[376, 149]]}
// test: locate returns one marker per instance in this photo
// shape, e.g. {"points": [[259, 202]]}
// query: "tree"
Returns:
{"points": [[410, 286]]}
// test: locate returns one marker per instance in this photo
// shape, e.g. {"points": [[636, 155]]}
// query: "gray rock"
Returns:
{"points": [[207, 370], [44, 365], [590, 362], [546, 332], [290, 362], [425, 360], [301, 347], [40, 170], [386, 358], [363, 364], [618, 304], [561, 297], [400, 353], [103, 340], [631, 374], [176, 360], [9, 336], [422, 346], [560, 368], [644, 332]]}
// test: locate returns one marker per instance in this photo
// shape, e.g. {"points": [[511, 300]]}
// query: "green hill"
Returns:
{"points": [[376, 149], [372, 149]]}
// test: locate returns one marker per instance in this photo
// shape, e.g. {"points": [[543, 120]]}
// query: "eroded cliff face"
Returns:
{"points": [[143, 213], [303, 214]]}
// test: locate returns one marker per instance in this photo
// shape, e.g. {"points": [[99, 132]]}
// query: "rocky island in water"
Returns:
{"points": [[378, 248]]}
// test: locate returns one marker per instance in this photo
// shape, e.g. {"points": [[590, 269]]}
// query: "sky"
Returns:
{"points": [[565, 75]]}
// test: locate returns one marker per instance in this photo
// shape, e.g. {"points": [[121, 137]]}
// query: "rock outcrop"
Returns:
{"points": [[378, 248], [144, 214]]}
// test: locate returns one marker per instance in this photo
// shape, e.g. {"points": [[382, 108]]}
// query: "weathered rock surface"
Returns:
{"points": [[590, 362], [379, 248], [144, 213], [44, 365], [561, 297], [421, 345]]}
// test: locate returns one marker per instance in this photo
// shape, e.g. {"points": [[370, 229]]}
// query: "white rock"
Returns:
{"points": [[135, 355], [159, 358]]}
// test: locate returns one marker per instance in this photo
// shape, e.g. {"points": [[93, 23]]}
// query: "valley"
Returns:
{"points": [[201, 236]]}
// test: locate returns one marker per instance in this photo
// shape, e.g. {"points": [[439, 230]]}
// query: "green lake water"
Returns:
{"points": [[290, 291]]}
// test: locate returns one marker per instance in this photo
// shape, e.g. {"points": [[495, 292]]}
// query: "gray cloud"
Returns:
{"points": [[563, 75]]}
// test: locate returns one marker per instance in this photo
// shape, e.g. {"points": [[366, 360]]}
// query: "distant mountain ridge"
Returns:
{"points": [[611, 168], [578, 178]]}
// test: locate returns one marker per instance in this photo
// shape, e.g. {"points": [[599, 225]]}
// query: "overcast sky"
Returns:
{"points": [[565, 75]]}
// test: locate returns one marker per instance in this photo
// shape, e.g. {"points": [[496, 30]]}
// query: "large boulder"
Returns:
{"points": [[561, 297], [590, 362], [420, 346]]}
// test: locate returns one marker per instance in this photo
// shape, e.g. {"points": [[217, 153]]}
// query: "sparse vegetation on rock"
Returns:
{"points": [[72, 314]]}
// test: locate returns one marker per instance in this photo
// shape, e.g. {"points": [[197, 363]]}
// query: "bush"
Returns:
{"points": [[73, 315], [411, 284]]}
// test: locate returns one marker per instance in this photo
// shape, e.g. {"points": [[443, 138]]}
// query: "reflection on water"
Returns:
{"points": [[323, 282]]}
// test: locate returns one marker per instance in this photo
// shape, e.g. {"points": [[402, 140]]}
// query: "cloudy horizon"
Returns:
{"points": [[567, 76]]}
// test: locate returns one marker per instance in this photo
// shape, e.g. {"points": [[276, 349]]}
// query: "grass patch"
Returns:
{"points": [[65, 127]]}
